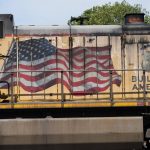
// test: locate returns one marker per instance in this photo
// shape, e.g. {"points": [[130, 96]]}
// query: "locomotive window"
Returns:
{"points": [[1, 29]]}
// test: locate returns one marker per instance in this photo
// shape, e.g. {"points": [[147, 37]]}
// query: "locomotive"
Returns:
{"points": [[75, 66], [76, 70]]}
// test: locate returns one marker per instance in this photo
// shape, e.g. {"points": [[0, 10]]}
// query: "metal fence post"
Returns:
{"points": [[111, 88], [144, 88], [12, 102], [62, 90]]}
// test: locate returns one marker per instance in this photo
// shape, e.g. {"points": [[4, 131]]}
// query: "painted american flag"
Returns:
{"points": [[38, 59]]}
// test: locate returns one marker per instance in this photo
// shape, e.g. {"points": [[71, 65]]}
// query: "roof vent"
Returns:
{"points": [[134, 18]]}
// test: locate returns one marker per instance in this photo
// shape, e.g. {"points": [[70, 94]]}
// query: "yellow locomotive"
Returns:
{"points": [[75, 66]]}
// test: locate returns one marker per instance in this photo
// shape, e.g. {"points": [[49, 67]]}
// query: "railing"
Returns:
{"points": [[134, 87]]}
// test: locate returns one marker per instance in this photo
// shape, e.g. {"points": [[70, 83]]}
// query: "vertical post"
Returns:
{"points": [[144, 88], [138, 68], [17, 53], [12, 102], [123, 39], [70, 65], [44, 71], [97, 72], [111, 88], [62, 90], [57, 61], [110, 73], [31, 54], [84, 55]]}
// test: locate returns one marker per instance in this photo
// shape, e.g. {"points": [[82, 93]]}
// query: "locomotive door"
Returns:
{"points": [[136, 71]]}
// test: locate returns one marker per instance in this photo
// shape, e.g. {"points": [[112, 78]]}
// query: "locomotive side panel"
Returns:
{"points": [[136, 61], [84, 43], [82, 68]]}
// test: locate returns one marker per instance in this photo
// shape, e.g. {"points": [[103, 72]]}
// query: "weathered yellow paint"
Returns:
{"points": [[122, 56], [30, 105]]}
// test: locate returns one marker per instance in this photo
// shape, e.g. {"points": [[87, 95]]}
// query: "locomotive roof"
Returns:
{"points": [[66, 30], [82, 30], [32, 30]]}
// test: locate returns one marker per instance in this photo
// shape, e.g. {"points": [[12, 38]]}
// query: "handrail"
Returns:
{"points": [[96, 70], [62, 94]]}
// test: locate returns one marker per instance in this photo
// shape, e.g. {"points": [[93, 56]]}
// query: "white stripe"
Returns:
{"points": [[88, 86]]}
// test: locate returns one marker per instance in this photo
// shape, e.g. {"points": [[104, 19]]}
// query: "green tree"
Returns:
{"points": [[112, 13]]}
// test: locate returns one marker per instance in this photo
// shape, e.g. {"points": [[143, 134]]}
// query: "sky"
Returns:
{"points": [[53, 12]]}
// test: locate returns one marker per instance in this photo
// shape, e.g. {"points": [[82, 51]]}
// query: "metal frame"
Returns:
{"points": [[63, 100]]}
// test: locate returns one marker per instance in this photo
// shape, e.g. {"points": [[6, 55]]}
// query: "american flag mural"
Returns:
{"points": [[38, 58]]}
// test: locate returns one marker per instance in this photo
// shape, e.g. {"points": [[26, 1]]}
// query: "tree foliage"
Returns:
{"points": [[112, 13]]}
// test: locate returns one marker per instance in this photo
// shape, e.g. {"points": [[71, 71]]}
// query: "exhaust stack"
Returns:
{"points": [[134, 18]]}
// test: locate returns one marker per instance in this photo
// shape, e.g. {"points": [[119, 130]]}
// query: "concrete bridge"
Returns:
{"points": [[72, 133]]}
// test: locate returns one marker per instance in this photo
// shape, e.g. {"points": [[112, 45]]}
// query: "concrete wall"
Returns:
{"points": [[56, 131]]}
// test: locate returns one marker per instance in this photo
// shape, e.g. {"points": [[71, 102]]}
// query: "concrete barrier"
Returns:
{"points": [[63, 131]]}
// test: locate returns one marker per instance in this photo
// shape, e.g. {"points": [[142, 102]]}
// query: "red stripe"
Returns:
{"points": [[9, 35]]}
